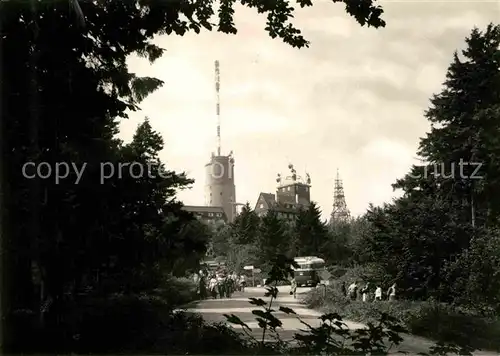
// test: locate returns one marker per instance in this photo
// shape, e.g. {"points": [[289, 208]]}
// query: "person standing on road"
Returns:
{"points": [[236, 279], [343, 289], [228, 286], [353, 290], [212, 287], [391, 292], [242, 283], [229, 281], [232, 282], [202, 286], [378, 293], [365, 292], [293, 288], [196, 279], [221, 285]]}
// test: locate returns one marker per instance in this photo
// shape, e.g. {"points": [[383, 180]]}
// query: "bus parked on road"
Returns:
{"points": [[309, 270]]}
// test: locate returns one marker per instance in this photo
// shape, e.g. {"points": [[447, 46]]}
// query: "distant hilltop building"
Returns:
{"points": [[292, 194], [340, 212], [207, 214], [220, 190]]}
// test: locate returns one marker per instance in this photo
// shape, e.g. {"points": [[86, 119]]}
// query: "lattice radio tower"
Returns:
{"points": [[340, 211]]}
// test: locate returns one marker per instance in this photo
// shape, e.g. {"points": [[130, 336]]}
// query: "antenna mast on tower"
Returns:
{"points": [[340, 212], [217, 110]]}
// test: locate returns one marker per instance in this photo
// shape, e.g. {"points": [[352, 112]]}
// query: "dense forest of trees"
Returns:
{"points": [[64, 87], [440, 240], [254, 240]]}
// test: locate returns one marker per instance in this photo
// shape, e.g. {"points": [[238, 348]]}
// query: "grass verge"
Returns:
{"points": [[436, 321]]}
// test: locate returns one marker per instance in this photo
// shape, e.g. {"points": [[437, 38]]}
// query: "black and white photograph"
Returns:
{"points": [[250, 177]]}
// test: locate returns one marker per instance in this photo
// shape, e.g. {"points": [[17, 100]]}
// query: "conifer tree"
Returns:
{"points": [[423, 236], [273, 238], [311, 233], [246, 226], [220, 243], [338, 247], [464, 132]]}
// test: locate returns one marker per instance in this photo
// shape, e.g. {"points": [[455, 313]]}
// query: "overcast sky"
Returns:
{"points": [[354, 100]]}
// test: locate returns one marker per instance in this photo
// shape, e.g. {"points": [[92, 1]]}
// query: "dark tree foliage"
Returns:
{"points": [[464, 119], [430, 240], [189, 247], [220, 243], [476, 274], [311, 233], [342, 242], [65, 85], [148, 202], [274, 238], [414, 248], [246, 226]]}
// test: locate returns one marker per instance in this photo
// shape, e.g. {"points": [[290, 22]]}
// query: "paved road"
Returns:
{"points": [[213, 310]]}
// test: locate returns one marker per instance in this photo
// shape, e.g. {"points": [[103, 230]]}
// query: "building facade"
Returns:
{"points": [[292, 195], [207, 214], [220, 189]]}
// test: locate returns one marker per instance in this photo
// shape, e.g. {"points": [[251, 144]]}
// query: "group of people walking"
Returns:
{"points": [[368, 293], [219, 284]]}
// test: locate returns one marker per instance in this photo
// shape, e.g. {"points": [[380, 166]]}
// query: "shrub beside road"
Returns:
{"points": [[433, 320]]}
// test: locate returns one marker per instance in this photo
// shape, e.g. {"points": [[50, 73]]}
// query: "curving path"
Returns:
{"points": [[213, 310]]}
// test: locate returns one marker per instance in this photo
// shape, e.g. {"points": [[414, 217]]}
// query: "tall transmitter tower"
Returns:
{"points": [[340, 212], [220, 190]]}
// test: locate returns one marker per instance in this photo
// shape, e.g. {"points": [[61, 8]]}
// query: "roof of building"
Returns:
{"points": [[269, 198]]}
